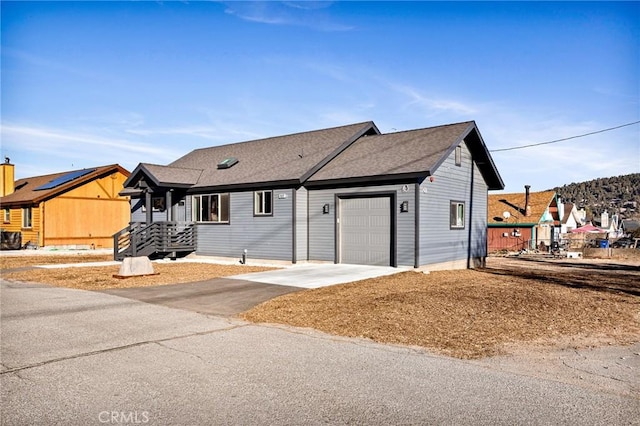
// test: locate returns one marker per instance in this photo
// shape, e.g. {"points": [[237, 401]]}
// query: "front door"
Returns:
{"points": [[179, 211]]}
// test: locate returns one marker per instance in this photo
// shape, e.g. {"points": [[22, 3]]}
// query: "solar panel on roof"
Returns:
{"points": [[64, 179]]}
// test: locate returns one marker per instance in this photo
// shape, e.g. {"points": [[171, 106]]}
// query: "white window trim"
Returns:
{"points": [[196, 212], [7, 215], [459, 218], [260, 203], [27, 212]]}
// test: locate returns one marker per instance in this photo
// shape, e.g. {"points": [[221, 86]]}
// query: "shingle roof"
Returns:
{"points": [[340, 154], [278, 159], [412, 151], [514, 204], [568, 207], [25, 192], [169, 176]]}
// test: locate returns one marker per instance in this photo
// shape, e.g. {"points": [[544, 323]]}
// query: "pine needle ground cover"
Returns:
{"points": [[473, 313], [102, 277], [8, 261]]}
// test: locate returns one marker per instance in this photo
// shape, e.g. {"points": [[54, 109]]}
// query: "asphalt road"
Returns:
{"points": [[71, 357]]}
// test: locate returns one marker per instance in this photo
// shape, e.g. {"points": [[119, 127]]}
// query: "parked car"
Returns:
{"points": [[624, 242]]}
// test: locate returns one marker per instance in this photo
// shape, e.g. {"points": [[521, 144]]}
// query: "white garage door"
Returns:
{"points": [[365, 231]]}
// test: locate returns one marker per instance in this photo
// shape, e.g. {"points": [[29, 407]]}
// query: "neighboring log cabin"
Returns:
{"points": [[74, 209]]}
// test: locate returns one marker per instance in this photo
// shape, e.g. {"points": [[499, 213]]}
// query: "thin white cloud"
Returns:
{"points": [[301, 14], [205, 132], [257, 12], [49, 149], [341, 117], [213, 133], [308, 4], [43, 139], [575, 160], [430, 104], [512, 134], [46, 63], [631, 98], [113, 119], [334, 71]]}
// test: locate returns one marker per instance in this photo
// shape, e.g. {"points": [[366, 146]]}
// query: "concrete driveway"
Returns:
{"points": [[219, 296], [231, 295], [318, 275], [77, 357]]}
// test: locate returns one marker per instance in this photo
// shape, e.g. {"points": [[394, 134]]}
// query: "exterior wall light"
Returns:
{"points": [[325, 209]]}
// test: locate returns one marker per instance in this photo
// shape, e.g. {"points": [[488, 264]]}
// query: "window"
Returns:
{"points": [[456, 210], [263, 203], [211, 208], [7, 216], [27, 217], [157, 204], [458, 155]]}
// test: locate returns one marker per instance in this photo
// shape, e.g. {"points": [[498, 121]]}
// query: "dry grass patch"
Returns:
{"points": [[467, 314], [11, 262], [101, 278]]}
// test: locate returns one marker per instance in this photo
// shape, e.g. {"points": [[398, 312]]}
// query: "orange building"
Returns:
{"points": [[73, 209]]}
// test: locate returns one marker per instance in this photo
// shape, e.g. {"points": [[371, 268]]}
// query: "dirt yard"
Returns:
{"points": [[102, 277], [467, 314], [11, 261], [476, 313]]}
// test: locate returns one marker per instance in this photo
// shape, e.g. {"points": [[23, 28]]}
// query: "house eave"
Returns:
{"points": [[131, 192], [20, 204], [169, 185], [240, 187], [377, 179]]}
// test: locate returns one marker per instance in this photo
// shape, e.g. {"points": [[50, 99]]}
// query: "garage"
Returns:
{"points": [[365, 230]]}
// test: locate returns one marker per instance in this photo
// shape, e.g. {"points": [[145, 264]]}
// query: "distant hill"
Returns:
{"points": [[617, 194]]}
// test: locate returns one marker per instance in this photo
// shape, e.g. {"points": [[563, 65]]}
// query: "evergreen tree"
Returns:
{"points": [[616, 194]]}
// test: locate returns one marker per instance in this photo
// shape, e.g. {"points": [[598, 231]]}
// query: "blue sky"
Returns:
{"points": [[94, 83]]}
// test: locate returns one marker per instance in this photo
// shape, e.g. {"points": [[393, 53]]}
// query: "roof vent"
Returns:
{"points": [[227, 163]]}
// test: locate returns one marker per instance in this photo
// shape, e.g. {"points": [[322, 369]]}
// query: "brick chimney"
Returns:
{"points": [[527, 207], [7, 177]]}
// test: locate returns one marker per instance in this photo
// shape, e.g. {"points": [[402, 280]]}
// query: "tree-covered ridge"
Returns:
{"points": [[617, 194]]}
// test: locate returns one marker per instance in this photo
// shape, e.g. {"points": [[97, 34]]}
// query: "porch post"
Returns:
{"points": [[148, 206], [169, 206]]}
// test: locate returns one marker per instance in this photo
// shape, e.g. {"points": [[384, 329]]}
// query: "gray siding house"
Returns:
{"points": [[347, 194]]}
